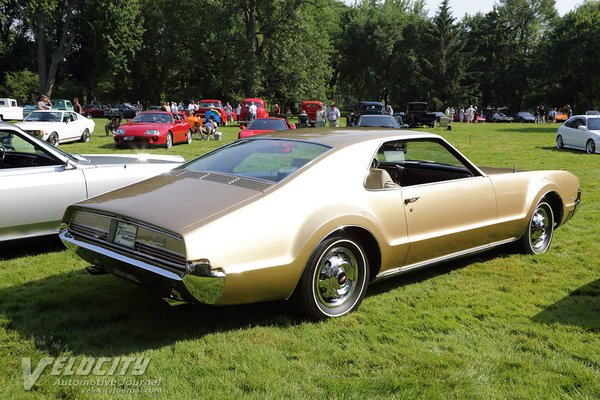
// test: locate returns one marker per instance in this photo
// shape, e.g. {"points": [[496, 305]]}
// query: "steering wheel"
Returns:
{"points": [[2, 154]]}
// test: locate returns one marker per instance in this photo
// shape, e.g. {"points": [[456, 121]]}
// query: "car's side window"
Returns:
{"points": [[421, 161]]}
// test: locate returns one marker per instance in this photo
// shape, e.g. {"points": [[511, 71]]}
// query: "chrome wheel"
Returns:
{"points": [[169, 141], [335, 279], [189, 136], [559, 142], [85, 136], [590, 147], [538, 236], [53, 139]]}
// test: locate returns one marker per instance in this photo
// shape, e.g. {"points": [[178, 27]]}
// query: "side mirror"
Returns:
{"points": [[177, 121], [582, 128]]}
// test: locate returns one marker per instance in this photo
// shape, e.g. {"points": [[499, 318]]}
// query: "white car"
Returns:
{"points": [[9, 110], [580, 132], [57, 126], [39, 181]]}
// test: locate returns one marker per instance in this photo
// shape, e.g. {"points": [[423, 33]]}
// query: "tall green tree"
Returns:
{"points": [[381, 50], [444, 61], [569, 62]]}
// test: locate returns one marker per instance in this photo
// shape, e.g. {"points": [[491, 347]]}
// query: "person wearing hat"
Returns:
{"points": [[333, 116]]}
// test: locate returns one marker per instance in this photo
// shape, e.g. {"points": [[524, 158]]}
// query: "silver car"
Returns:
{"points": [[581, 132], [39, 181]]}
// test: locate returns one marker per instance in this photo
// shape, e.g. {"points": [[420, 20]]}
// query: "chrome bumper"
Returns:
{"points": [[197, 284]]}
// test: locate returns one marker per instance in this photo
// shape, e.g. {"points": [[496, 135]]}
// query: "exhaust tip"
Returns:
{"points": [[96, 269]]}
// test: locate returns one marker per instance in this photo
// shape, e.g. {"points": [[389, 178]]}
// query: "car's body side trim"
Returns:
{"points": [[423, 264]]}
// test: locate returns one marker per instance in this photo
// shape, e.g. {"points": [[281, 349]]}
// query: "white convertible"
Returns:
{"points": [[39, 181], [57, 126]]}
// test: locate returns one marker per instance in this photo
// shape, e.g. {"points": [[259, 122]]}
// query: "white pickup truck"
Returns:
{"points": [[9, 110]]}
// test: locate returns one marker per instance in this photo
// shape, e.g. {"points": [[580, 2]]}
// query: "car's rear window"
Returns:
{"points": [[268, 124], [267, 159], [160, 118]]}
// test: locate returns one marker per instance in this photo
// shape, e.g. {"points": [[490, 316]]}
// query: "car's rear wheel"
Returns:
{"points": [[590, 147], [169, 141], [539, 231], [53, 139], [85, 136], [189, 136], [559, 142], [334, 280]]}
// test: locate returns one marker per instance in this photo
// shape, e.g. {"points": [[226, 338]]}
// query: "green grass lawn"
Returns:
{"points": [[498, 325]]}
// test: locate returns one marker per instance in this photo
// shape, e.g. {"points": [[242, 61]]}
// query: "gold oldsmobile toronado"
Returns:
{"points": [[313, 216]]}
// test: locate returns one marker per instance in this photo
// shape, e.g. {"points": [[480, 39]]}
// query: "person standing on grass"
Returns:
{"points": [[333, 116], [229, 110], [252, 111], [76, 105]]}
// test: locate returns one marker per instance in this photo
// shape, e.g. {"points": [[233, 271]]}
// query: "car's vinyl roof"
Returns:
{"points": [[346, 137]]}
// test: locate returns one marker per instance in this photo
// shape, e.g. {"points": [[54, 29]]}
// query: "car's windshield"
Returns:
{"points": [[384, 121], [267, 159], [268, 124], [209, 104], [159, 118], [44, 116], [593, 124], [19, 142]]}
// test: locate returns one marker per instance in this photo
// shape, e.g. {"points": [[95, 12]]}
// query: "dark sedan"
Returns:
{"points": [[524, 116], [125, 110], [94, 110]]}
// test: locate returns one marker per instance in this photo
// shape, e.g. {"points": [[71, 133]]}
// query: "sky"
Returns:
{"points": [[461, 7]]}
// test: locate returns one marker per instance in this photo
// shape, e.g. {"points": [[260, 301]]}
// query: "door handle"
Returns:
{"points": [[411, 200]]}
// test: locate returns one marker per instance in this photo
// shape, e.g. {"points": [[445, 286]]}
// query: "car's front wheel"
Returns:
{"points": [[590, 147], [53, 139], [169, 141], [559, 142], [334, 280], [539, 231], [85, 136]]}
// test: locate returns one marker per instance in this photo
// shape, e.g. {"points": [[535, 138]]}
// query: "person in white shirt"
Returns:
{"points": [[252, 110], [333, 116]]}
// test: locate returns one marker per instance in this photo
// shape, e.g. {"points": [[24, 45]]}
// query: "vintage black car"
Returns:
{"points": [[124, 110], [417, 114], [365, 108]]}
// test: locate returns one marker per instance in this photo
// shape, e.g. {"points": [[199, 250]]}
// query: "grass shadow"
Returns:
{"points": [[30, 247], [106, 316], [580, 308], [437, 269], [524, 128]]}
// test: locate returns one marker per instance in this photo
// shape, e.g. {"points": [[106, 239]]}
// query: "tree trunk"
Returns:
{"points": [[249, 7]]}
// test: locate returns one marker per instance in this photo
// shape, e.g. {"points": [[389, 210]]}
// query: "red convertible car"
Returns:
{"points": [[154, 128], [264, 125], [208, 104], [261, 110]]}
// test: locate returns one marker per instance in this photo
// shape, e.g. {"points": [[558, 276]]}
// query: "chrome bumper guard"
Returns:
{"points": [[197, 284]]}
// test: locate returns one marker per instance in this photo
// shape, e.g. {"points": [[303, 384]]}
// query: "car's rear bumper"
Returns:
{"points": [[197, 284]]}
